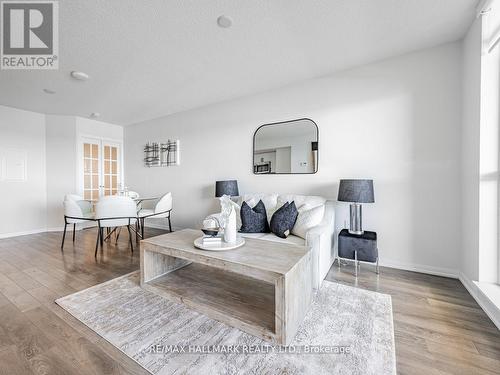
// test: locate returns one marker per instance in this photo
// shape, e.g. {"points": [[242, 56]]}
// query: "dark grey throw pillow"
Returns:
{"points": [[284, 219], [254, 220]]}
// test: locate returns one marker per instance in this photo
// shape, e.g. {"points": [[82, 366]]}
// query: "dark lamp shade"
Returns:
{"points": [[229, 187], [357, 191]]}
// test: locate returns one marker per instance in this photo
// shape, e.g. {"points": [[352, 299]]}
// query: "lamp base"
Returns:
{"points": [[358, 233], [356, 223]]}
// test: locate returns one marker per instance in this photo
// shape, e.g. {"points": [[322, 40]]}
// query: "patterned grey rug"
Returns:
{"points": [[346, 331]]}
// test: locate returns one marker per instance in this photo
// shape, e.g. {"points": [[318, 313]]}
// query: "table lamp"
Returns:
{"points": [[228, 187], [356, 191]]}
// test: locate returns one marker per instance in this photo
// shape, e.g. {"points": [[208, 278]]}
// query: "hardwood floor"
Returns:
{"points": [[439, 328]]}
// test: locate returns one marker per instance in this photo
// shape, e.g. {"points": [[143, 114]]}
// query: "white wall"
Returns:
{"points": [[397, 121], [471, 109], [23, 202], [51, 143], [64, 161], [480, 165], [99, 129], [489, 149], [61, 165]]}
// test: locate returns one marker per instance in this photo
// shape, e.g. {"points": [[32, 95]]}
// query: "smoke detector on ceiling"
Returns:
{"points": [[49, 91], [95, 115], [81, 76], [224, 22]]}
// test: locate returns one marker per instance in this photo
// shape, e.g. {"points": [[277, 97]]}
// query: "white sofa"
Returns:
{"points": [[320, 238]]}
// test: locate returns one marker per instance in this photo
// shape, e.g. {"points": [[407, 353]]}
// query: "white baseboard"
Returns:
{"points": [[162, 226], [70, 227], [45, 230], [431, 270], [486, 304], [23, 233]]}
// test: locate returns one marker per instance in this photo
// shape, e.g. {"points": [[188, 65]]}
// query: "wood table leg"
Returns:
{"points": [[154, 264], [294, 293]]}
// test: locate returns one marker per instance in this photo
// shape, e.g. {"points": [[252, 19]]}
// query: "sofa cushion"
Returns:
{"points": [[269, 200], [254, 220], [301, 200], [307, 218], [284, 219], [291, 239], [254, 235]]}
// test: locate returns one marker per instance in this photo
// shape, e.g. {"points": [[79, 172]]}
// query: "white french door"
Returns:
{"points": [[101, 166]]}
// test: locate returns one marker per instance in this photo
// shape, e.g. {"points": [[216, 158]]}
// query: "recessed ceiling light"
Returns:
{"points": [[224, 22], [95, 114], [49, 91], [81, 76]]}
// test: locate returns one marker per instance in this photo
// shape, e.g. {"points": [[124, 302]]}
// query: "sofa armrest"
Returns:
{"points": [[321, 239]]}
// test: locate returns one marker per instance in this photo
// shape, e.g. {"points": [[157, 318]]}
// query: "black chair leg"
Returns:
{"points": [[97, 241], [64, 235], [74, 231], [118, 231], [101, 237], [142, 227], [130, 239], [169, 224]]}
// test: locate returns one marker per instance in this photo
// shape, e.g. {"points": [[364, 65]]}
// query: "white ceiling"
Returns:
{"points": [[151, 58]]}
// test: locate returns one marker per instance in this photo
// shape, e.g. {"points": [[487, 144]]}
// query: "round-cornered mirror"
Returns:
{"points": [[288, 147]]}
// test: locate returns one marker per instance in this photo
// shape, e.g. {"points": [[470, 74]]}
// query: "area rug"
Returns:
{"points": [[346, 331]]}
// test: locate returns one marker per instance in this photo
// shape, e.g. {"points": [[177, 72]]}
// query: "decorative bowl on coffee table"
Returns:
{"points": [[210, 231]]}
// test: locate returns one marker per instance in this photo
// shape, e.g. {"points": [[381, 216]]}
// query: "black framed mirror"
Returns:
{"points": [[288, 147]]}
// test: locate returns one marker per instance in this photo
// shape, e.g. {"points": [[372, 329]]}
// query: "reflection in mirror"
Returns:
{"points": [[286, 147]]}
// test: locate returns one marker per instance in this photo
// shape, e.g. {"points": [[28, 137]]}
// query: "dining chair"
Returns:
{"points": [[162, 209], [114, 212], [133, 194], [73, 197], [76, 211]]}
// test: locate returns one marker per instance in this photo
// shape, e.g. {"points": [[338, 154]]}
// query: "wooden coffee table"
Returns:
{"points": [[263, 288]]}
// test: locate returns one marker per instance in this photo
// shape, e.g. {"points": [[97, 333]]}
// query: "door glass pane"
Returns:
{"points": [[86, 166], [90, 170], [110, 172], [86, 150], [87, 182]]}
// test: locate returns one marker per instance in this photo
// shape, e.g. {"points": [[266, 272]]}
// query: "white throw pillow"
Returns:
{"points": [[307, 219]]}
